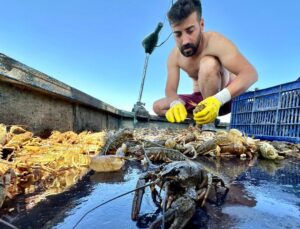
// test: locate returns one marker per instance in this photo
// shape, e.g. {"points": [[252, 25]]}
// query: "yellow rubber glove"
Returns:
{"points": [[210, 112], [177, 112]]}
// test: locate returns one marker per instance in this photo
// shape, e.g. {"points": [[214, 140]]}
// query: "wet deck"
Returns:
{"points": [[266, 195]]}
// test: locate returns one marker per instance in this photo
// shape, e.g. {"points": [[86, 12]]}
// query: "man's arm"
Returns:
{"points": [[173, 77], [177, 111], [235, 62]]}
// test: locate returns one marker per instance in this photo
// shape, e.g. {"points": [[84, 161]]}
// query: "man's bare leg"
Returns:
{"points": [[210, 76], [161, 106]]}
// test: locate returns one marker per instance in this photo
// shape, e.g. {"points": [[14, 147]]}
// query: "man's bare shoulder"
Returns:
{"points": [[214, 37], [217, 42], [173, 56], [174, 52]]}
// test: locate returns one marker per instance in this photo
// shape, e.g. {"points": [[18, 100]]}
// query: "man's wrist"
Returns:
{"points": [[223, 96], [177, 101]]}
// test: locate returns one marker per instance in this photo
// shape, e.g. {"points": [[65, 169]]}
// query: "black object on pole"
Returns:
{"points": [[151, 40], [149, 43]]}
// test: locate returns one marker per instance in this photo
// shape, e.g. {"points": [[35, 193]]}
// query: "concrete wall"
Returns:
{"points": [[42, 104]]}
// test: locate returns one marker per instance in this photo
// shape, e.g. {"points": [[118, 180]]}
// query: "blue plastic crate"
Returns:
{"points": [[271, 114]]}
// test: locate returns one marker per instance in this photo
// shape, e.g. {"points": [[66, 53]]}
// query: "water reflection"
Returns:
{"points": [[116, 177], [275, 188], [225, 168], [270, 166], [48, 212], [281, 172]]}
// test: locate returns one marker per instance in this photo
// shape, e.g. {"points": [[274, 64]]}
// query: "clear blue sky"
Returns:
{"points": [[95, 46]]}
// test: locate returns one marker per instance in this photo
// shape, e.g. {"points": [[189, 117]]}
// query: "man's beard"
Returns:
{"points": [[190, 49]]}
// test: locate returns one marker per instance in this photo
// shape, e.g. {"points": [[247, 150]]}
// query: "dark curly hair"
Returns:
{"points": [[181, 9]]}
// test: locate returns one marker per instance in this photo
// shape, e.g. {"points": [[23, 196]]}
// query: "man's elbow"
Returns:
{"points": [[253, 74]]}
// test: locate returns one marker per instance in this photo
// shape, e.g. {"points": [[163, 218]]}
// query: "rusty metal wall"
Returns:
{"points": [[41, 113], [89, 118], [38, 112]]}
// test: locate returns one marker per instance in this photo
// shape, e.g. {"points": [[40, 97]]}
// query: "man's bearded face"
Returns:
{"points": [[190, 49]]}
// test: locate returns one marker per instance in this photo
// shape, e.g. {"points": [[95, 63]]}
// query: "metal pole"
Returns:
{"points": [[144, 76]]}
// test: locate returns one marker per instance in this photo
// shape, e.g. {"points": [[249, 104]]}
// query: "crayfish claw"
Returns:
{"points": [[181, 211], [155, 196], [137, 199], [221, 190], [209, 183], [166, 217], [221, 196]]}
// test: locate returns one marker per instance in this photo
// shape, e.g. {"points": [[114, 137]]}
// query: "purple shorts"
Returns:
{"points": [[196, 97]]}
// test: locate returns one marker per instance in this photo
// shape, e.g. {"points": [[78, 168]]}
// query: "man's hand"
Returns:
{"points": [[210, 112], [177, 112], [211, 107]]}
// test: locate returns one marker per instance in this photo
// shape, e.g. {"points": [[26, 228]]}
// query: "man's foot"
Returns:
{"points": [[209, 127]]}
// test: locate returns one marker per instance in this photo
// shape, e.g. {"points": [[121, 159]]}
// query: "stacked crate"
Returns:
{"points": [[272, 113]]}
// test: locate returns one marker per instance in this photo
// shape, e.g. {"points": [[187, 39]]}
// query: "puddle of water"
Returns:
{"points": [[116, 214], [276, 194], [264, 196]]}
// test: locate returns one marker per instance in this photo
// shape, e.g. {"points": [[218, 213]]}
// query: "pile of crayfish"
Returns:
{"points": [[193, 143], [30, 164]]}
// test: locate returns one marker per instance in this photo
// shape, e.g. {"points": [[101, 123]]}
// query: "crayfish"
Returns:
{"points": [[185, 184]]}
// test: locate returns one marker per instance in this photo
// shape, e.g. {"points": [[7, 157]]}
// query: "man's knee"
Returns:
{"points": [[157, 107], [209, 66], [209, 76], [161, 106]]}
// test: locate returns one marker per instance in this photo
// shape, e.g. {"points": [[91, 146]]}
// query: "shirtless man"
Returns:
{"points": [[218, 70]]}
